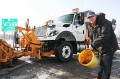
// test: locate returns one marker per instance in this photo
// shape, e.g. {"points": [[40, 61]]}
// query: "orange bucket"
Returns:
{"points": [[87, 58]]}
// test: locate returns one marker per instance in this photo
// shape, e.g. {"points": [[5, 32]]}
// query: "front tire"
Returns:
{"points": [[64, 52]]}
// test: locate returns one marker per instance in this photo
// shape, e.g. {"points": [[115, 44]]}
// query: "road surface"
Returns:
{"points": [[51, 68]]}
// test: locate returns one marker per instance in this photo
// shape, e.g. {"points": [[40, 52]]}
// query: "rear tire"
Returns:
{"points": [[64, 52]]}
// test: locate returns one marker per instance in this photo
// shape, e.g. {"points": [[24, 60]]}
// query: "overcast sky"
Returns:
{"points": [[39, 11]]}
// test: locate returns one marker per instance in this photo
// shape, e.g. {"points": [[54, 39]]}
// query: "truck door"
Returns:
{"points": [[79, 28]]}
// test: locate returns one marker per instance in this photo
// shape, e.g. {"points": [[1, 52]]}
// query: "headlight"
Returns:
{"points": [[53, 33]]}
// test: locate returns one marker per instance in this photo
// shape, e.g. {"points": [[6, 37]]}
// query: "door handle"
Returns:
{"points": [[76, 26], [83, 31]]}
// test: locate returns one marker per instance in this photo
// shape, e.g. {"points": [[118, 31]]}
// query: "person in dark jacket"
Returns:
{"points": [[103, 39]]}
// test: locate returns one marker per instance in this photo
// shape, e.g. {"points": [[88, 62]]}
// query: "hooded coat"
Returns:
{"points": [[102, 36]]}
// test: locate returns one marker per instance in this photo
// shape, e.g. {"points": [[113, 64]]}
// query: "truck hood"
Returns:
{"points": [[44, 31]]}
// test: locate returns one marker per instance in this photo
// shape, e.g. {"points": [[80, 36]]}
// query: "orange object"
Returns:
{"points": [[85, 57], [30, 45]]}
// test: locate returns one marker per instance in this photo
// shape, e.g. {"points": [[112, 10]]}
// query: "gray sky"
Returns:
{"points": [[38, 11]]}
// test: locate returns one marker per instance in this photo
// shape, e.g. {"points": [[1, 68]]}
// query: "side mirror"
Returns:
{"points": [[34, 27], [81, 19], [113, 21]]}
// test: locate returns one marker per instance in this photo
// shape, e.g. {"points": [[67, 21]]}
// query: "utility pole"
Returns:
{"points": [[4, 35]]}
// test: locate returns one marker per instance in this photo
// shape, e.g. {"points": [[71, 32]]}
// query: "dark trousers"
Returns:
{"points": [[105, 65]]}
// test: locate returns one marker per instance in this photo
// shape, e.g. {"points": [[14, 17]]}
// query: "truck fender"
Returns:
{"points": [[68, 36]]}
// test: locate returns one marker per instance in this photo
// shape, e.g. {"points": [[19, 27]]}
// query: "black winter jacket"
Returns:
{"points": [[102, 36]]}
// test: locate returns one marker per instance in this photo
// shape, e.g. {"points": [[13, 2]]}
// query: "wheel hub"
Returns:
{"points": [[66, 51]]}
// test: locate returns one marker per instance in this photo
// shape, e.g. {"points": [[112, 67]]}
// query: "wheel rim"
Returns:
{"points": [[66, 51]]}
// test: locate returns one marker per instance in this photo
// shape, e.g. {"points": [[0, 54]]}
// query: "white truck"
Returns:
{"points": [[66, 35]]}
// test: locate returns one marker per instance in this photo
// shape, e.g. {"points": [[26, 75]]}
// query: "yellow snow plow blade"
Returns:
{"points": [[7, 53]]}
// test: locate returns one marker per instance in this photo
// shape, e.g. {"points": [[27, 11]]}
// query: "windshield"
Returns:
{"points": [[65, 19]]}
